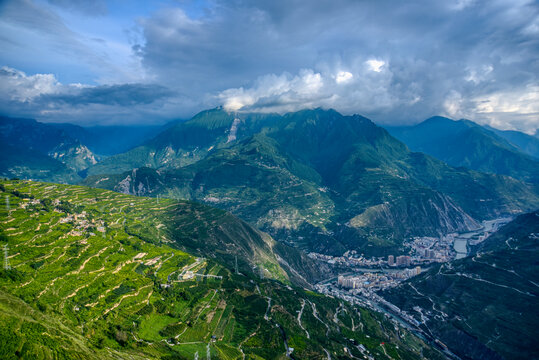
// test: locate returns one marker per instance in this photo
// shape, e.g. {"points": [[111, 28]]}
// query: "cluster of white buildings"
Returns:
{"points": [[377, 280], [402, 260], [430, 249], [348, 259]]}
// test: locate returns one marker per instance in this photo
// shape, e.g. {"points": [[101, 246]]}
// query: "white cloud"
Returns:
{"points": [[459, 5], [516, 109], [375, 65], [453, 104], [16, 85], [43, 97], [373, 58], [77, 47], [272, 92], [343, 77], [532, 28], [480, 74], [236, 99], [345, 91]]}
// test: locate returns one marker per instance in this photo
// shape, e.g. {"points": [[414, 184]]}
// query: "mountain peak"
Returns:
{"points": [[465, 143], [438, 119]]}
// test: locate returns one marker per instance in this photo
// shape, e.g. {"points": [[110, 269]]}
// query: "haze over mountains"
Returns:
{"points": [[112, 139], [61, 152], [528, 144], [464, 143]]}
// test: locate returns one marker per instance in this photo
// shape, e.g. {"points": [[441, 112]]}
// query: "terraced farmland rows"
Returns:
{"points": [[100, 280]]}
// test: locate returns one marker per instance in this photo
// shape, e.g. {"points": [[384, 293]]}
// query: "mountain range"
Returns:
{"points": [[314, 179], [465, 143], [528, 144], [210, 257], [40, 151], [111, 139], [61, 152]]}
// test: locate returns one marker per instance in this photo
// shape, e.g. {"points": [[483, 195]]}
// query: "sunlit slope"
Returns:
{"points": [[185, 142], [97, 274]]}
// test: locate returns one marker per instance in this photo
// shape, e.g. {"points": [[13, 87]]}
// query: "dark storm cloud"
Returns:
{"points": [[42, 96], [121, 95], [439, 57], [393, 61]]}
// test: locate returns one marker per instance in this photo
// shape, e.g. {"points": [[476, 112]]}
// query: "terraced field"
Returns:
{"points": [[97, 274]]}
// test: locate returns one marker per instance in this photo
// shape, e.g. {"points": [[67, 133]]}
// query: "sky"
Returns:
{"points": [[396, 62]]}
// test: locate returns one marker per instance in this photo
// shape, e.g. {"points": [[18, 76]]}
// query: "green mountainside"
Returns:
{"points": [[30, 164], [37, 140], [61, 152], [98, 274], [465, 143], [184, 143], [314, 179], [483, 306], [528, 144], [518, 234], [106, 140]]}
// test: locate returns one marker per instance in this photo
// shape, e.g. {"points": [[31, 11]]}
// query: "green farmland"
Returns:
{"points": [[96, 274]]}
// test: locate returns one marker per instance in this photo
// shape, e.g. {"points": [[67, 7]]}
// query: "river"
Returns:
{"points": [[461, 243], [461, 247]]}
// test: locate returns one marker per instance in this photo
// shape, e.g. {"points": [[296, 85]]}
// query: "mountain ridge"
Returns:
{"points": [[465, 143], [528, 144], [299, 175]]}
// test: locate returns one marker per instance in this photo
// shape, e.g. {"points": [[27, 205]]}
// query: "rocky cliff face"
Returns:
{"points": [[135, 183], [30, 141], [423, 216], [76, 156]]}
